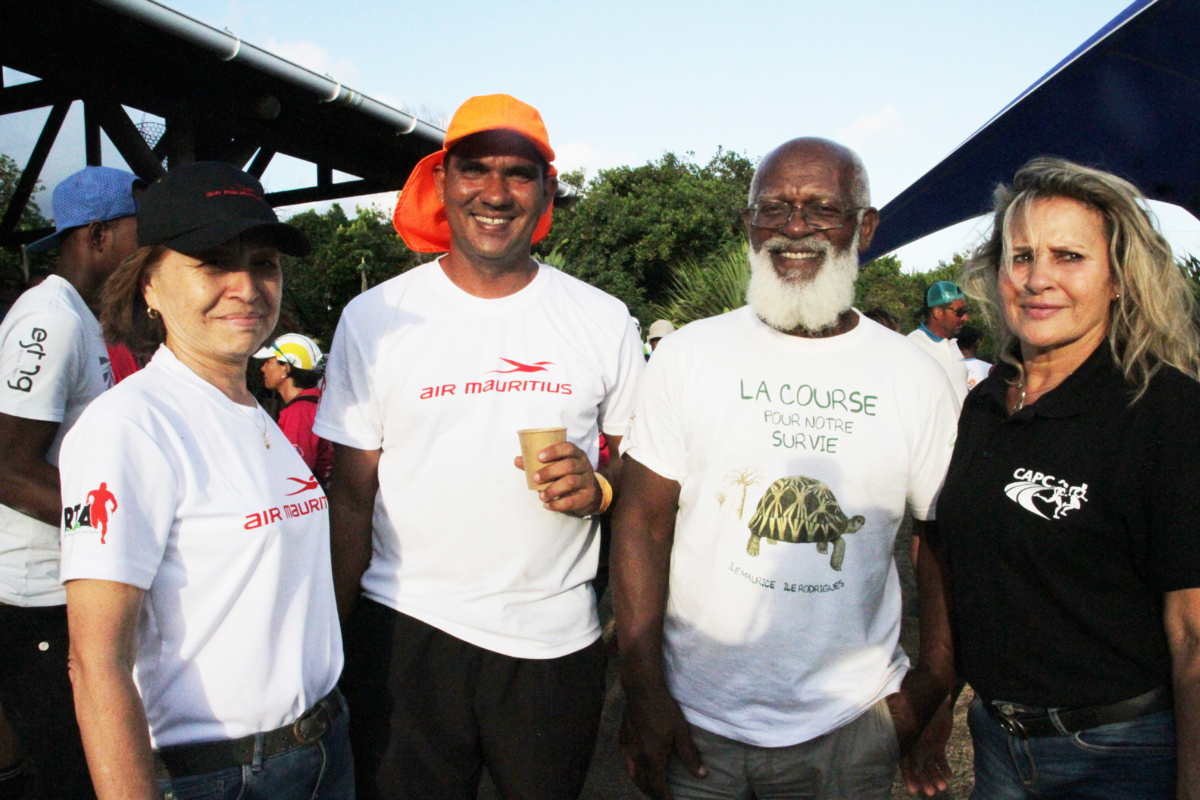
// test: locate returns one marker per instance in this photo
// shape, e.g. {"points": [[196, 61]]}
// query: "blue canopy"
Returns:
{"points": [[1126, 100]]}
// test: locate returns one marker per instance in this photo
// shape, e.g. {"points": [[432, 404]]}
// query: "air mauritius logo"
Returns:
{"points": [[288, 510], [1038, 493], [92, 512], [514, 384], [517, 366]]}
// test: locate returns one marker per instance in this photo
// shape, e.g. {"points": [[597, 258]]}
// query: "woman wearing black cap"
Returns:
{"points": [[204, 639]]}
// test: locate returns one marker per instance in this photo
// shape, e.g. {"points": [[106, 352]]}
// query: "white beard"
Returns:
{"points": [[813, 305]]}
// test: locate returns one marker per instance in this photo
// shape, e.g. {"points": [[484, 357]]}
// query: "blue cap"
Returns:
{"points": [[941, 293], [94, 194]]}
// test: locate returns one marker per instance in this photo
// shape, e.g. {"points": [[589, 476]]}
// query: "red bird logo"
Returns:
{"points": [[305, 485], [537, 366]]}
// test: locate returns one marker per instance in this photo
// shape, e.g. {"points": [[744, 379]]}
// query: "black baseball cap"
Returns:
{"points": [[202, 205]]}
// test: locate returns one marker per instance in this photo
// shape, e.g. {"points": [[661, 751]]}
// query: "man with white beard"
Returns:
{"points": [[771, 459]]}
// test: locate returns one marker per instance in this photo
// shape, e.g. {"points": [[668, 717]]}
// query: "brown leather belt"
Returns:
{"points": [[178, 761], [1024, 723]]}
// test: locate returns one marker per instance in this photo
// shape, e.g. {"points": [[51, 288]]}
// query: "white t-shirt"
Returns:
{"points": [[949, 357], [168, 486], [441, 381], [765, 433], [977, 370], [52, 364]]}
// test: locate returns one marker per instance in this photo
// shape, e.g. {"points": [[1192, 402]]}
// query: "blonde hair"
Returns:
{"points": [[1151, 322]]}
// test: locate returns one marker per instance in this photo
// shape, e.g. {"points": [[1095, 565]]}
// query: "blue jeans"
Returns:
{"points": [[1132, 760], [320, 771]]}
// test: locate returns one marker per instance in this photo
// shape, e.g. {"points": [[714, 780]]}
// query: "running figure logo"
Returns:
{"points": [[1048, 491], [97, 501]]}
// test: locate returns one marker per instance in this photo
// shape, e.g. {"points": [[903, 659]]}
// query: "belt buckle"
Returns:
{"points": [[311, 726], [1006, 718]]}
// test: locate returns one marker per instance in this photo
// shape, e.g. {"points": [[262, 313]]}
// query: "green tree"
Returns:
{"points": [[31, 219], [348, 256], [634, 225], [883, 283], [706, 287]]}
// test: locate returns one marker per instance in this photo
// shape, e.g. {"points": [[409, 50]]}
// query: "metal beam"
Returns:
{"points": [[17, 238], [128, 140], [239, 150], [91, 136], [259, 165], [35, 94], [180, 140], [37, 159], [337, 191]]}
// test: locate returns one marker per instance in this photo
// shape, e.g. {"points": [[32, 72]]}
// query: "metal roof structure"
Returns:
{"points": [[1126, 101], [221, 99]]}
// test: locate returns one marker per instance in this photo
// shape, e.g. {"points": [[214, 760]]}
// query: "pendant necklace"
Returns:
{"points": [[263, 427], [1020, 399]]}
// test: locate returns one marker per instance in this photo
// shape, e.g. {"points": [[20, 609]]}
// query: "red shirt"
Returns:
{"points": [[296, 422], [121, 359]]}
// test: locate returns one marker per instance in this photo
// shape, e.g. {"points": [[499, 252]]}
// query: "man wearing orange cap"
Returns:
{"points": [[472, 634]]}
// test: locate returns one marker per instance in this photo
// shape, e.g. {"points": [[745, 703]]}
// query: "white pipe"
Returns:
{"points": [[229, 47]]}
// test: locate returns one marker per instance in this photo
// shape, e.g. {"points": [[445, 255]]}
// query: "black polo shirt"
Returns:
{"points": [[1065, 525]]}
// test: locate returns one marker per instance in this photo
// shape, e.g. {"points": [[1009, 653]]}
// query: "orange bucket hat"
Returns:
{"points": [[420, 218]]}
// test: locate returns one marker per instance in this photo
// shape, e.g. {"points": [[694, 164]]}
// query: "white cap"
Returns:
{"points": [[299, 351], [659, 328]]}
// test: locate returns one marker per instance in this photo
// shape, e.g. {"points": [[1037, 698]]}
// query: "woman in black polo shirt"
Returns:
{"points": [[1071, 511]]}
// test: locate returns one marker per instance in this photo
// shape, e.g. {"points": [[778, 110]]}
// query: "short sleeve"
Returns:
{"points": [[349, 412], [656, 436], [618, 406], [120, 495], [936, 420], [39, 358], [1171, 486]]}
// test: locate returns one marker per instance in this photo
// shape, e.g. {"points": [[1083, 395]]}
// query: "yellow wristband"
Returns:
{"points": [[606, 491]]}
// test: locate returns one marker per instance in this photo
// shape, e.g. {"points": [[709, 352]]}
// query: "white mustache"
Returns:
{"points": [[782, 244]]}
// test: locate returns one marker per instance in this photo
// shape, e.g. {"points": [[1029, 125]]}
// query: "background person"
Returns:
{"points": [[203, 622], [658, 329], [945, 314], [884, 317], [968, 342], [53, 362], [1069, 511], [293, 367]]}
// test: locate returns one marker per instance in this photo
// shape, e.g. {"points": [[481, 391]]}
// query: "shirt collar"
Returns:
{"points": [[1073, 396], [925, 330]]}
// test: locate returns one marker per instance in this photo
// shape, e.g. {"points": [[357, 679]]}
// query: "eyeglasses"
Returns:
{"points": [[818, 216], [958, 312]]}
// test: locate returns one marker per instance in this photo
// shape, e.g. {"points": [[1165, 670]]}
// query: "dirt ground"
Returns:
{"points": [[607, 779]]}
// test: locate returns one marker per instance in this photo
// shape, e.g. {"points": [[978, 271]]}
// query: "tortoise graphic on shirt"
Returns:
{"points": [[797, 510]]}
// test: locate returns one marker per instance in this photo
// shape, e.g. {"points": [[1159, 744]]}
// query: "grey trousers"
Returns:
{"points": [[854, 762]]}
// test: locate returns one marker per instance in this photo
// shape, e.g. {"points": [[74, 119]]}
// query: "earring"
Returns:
{"points": [[152, 313]]}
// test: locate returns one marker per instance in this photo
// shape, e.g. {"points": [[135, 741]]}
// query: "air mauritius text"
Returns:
{"points": [[285, 511]]}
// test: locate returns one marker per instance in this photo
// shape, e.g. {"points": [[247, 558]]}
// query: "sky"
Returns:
{"points": [[622, 82]]}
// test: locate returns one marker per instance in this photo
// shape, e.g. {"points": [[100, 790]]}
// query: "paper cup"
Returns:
{"points": [[533, 441]]}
